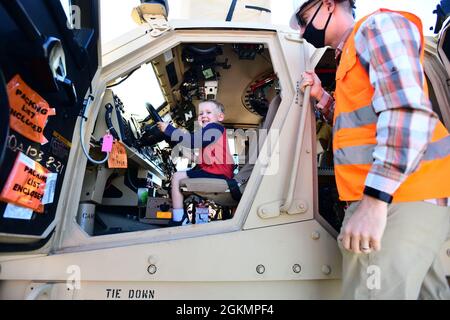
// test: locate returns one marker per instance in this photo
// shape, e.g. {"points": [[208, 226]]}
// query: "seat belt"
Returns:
{"points": [[235, 191]]}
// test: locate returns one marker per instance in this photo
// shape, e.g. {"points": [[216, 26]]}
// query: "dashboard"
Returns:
{"points": [[114, 118]]}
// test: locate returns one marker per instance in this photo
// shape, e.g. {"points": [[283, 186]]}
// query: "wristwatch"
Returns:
{"points": [[380, 195]]}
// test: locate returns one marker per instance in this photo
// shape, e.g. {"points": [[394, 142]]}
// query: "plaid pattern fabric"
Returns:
{"points": [[388, 46]]}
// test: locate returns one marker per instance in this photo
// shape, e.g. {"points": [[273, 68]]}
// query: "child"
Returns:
{"points": [[215, 160]]}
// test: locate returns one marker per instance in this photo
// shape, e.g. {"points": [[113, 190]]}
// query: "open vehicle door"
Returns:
{"points": [[254, 70], [48, 58]]}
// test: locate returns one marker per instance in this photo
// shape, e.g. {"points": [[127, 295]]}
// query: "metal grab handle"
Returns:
{"points": [[300, 133], [309, 61]]}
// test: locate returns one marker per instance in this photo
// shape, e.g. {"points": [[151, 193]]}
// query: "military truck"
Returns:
{"points": [[85, 174]]}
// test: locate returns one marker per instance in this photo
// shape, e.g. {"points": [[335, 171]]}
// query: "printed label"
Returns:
{"points": [[49, 193], [118, 156], [16, 212], [29, 111], [26, 184]]}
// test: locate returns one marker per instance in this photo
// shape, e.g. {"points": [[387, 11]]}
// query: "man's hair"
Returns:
{"points": [[218, 105], [350, 2]]}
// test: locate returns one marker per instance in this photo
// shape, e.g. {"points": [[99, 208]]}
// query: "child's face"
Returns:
{"points": [[209, 113]]}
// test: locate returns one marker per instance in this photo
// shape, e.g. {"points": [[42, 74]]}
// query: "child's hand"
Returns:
{"points": [[162, 126]]}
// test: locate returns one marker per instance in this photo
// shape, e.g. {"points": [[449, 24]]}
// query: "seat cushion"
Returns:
{"points": [[213, 189], [205, 185]]}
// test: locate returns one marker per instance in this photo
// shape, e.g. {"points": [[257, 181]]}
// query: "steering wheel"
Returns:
{"points": [[151, 134], [154, 114]]}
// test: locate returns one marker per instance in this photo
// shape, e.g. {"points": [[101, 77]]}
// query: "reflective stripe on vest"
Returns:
{"points": [[354, 131], [355, 119], [364, 154]]}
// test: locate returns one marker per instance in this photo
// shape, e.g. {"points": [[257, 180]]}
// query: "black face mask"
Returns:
{"points": [[313, 35]]}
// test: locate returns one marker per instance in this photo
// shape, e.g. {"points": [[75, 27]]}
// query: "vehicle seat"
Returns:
{"points": [[217, 189]]}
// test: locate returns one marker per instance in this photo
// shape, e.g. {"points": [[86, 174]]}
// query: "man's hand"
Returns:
{"points": [[162, 126], [310, 78], [364, 230]]}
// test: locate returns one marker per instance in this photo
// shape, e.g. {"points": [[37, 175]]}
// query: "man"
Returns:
{"points": [[391, 153]]}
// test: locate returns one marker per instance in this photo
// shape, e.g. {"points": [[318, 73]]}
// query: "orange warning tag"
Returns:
{"points": [[118, 156], [29, 111], [26, 184]]}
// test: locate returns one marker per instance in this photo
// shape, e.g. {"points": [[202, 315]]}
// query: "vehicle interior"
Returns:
{"points": [[169, 88], [138, 198]]}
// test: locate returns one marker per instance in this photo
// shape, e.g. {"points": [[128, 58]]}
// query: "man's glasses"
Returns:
{"points": [[300, 20]]}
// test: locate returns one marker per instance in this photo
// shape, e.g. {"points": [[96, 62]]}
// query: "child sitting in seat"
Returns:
{"points": [[215, 160]]}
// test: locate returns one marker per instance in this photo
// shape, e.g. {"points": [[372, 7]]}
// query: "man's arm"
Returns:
{"points": [[388, 46]]}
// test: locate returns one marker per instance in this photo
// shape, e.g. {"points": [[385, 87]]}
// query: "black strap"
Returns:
{"points": [[234, 189], [258, 8], [317, 11], [231, 11], [328, 21], [4, 117]]}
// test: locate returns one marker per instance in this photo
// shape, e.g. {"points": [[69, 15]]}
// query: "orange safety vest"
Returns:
{"points": [[354, 140]]}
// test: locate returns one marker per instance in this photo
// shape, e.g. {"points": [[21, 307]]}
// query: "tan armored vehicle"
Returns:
{"points": [[102, 229]]}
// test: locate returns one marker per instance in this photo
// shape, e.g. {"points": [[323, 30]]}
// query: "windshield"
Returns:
{"points": [[139, 88]]}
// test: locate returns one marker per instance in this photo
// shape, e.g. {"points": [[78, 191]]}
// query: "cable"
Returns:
{"points": [[82, 120], [109, 125], [122, 80], [202, 51]]}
